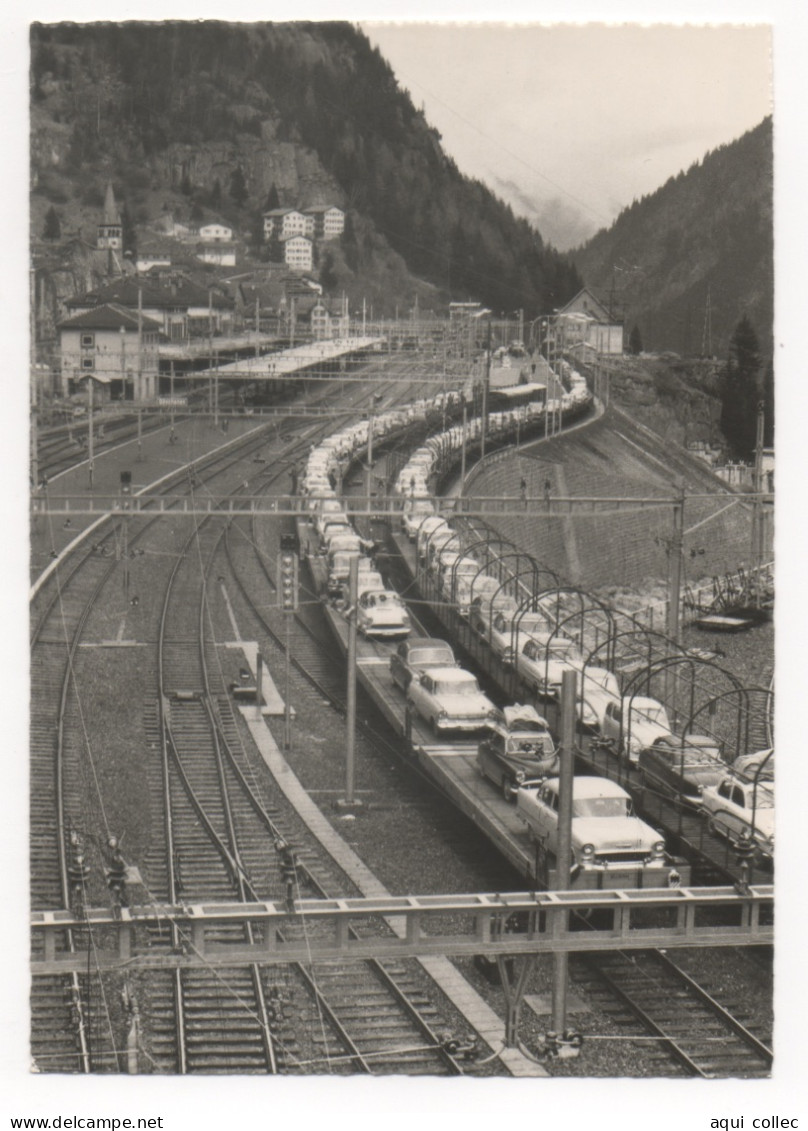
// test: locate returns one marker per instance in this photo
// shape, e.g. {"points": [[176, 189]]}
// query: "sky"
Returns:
{"points": [[570, 123]]}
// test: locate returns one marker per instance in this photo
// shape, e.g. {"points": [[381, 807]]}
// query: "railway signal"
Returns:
{"points": [[288, 565]]}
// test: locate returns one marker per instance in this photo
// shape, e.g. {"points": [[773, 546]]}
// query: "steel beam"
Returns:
{"points": [[537, 923]]}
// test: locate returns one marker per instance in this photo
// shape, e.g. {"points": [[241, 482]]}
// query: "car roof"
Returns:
{"points": [[591, 787], [453, 675], [427, 642], [521, 711]]}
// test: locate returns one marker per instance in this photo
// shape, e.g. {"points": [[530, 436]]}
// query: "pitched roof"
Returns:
{"points": [[108, 316], [180, 291], [111, 213]]}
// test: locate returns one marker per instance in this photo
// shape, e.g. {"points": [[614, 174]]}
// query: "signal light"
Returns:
{"points": [[126, 482], [288, 580]]}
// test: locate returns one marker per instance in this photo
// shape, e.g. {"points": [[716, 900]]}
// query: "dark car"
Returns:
{"points": [[682, 767], [517, 747], [416, 655]]}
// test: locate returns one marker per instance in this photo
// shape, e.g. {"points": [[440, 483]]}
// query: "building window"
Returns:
{"points": [[87, 341], [87, 363]]}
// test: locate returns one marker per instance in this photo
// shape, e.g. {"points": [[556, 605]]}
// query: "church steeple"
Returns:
{"points": [[110, 230]]}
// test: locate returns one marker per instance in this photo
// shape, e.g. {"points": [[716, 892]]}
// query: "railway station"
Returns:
{"points": [[677, 902], [401, 575]]}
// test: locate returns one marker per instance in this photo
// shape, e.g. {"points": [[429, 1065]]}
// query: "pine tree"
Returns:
{"points": [[238, 186], [739, 391], [635, 341], [768, 406], [52, 229], [273, 200]]}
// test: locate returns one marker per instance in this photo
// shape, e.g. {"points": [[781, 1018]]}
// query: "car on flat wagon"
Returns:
{"points": [[682, 766], [413, 656], [517, 747], [605, 831], [741, 811], [449, 699]]}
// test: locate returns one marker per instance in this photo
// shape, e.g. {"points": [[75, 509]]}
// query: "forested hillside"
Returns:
{"points": [[686, 263], [231, 117]]}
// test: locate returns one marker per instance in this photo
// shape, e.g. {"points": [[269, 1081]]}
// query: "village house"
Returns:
{"points": [[586, 324], [320, 221], [298, 252], [112, 345]]}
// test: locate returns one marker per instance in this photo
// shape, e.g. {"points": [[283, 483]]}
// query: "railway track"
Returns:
{"points": [[226, 1023], [697, 1036], [363, 1017]]}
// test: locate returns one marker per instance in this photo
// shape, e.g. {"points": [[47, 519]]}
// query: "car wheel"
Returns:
{"points": [[508, 791], [712, 826], [434, 725]]}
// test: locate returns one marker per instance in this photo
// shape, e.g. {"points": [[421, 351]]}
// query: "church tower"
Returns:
{"points": [[110, 231]]}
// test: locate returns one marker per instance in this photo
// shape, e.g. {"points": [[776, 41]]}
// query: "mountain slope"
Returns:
{"points": [[695, 255], [172, 112]]}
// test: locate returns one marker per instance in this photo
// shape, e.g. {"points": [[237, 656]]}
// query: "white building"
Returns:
{"points": [[215, 233], [298, 252], [113, 346]]}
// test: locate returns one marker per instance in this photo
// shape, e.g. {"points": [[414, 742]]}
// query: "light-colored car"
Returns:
{"points": [[486, 605], [416, 655], [517, 747], [682, 767], [542, 660], [758, 765], [429, 526], [439, 542], [456, 573], [449, 699], [368, 579], [634, 722], [380, 614], [598, 687], [738, 809], [604, 829], [507, 634], [468, 588], [413, 513]]}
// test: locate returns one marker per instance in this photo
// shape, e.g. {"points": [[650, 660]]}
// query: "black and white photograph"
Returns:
{"points": [[399, 535]]}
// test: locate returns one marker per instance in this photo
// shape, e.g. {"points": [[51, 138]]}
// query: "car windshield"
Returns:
{"points": [[601, 807], [459, 687], [527, 744], [649, 715], [562, 650]]}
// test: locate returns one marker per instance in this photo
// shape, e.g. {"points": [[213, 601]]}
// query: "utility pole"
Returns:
{"points": [[171, 394], [463, 442], [350, 802], [675, 565], [486, 380], [369, 472], [564, 844], [140, 344], [757, 508], [210, 350], [90, 439]]}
